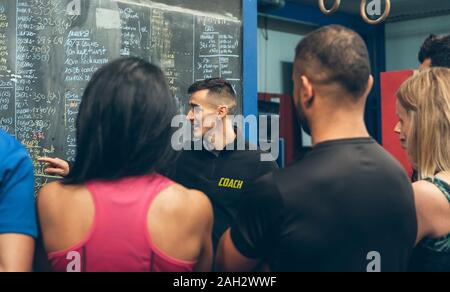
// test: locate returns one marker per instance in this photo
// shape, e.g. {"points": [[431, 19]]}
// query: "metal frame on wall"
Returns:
{"points": [[250, 62], [374, 36]]}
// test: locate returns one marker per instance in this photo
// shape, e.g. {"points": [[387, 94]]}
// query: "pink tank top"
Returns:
{"points": [[119, 240]]}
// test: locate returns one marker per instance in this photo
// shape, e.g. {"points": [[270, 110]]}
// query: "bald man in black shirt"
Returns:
{"points": [[348, 205]]}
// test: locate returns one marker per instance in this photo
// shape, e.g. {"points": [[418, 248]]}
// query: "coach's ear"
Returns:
{"points": [[222, 111]]}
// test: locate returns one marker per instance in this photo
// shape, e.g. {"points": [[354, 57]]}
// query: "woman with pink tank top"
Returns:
{"points": [[114, 212]]}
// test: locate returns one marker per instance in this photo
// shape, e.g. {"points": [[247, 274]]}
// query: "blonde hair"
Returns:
{"points": [[426, 98]]}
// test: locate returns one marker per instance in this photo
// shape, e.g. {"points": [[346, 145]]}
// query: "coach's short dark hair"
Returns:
{"points": [[220, 91], [335, 54], [436, 48]]}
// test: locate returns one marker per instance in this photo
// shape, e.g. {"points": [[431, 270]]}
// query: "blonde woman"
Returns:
{"points": [[423, 107]]}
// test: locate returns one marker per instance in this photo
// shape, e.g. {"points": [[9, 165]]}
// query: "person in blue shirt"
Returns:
{"points": [[18, 224]]}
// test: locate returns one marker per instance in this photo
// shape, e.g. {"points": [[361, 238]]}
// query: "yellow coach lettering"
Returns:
{"points": [[231, 183]]}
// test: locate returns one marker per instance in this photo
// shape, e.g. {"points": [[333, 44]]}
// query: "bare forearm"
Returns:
{"points": [[18, 265], [16, 253]]}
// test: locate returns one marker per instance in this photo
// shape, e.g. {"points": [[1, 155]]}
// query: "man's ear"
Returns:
{"points": [[369, 87], [307, 91], [426, 64], [222, 111]]}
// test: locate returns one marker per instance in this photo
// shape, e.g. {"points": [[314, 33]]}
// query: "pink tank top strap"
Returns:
{"points": [[119, 239]]}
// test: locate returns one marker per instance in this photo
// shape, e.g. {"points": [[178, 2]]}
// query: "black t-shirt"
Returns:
{"points": [[224, 176], [344, 200]]}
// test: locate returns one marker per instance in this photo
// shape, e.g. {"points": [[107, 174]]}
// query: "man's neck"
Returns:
{"points": [[338, 126], [223, 138]]}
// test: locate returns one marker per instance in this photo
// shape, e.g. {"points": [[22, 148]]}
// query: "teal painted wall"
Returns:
{"points": [[403, 40]]}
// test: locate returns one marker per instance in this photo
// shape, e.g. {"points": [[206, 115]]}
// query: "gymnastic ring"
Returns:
{"points": [[333, 9], [366, 18]]}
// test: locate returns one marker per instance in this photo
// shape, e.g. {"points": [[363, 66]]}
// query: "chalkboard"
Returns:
{"points": [[49, 49]]}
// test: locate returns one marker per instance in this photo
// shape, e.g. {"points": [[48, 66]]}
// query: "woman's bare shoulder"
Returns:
{"points": [[55, 198], [183, 202]]}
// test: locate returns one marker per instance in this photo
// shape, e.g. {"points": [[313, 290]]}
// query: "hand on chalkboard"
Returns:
{"points": [[55, 166]]}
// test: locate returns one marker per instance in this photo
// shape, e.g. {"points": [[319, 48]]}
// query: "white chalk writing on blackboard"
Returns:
{"points": [[50, 49]]}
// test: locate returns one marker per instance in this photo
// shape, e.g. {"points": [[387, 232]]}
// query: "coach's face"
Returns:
{"points": [[202, 114]]}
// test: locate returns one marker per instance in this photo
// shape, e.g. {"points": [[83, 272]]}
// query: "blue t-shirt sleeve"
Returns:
{"points": [[17, 200]]}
